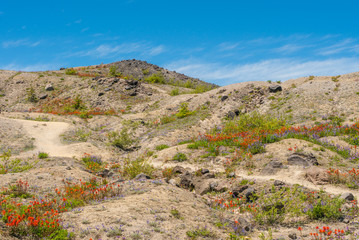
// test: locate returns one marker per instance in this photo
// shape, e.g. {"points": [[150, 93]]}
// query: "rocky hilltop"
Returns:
{"points": [[129, 150]]}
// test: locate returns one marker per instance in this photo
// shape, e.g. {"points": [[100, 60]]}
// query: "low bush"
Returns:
{"points": [[70, 71], [132, 168], [122, 140], [180, 157]]}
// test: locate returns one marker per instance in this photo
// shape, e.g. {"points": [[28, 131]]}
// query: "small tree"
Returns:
{"points": [[31, 96]]}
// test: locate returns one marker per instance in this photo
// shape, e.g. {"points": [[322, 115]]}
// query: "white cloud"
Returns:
{"points": [[108, 50], [85, 29], [273, 69], [19, 43], [33, 67], [156, 50], [226, 46], [289, 48], [348, 44]]}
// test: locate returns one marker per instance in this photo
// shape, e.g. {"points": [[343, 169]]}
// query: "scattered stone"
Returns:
{"points": [[187, 181], [231, 175], [250, 194], [219, 186], [132, 94], [202, 186], [204, 171], [292, 236], [223, 98], [346, 220], [221, 91], [302, 159], [237, 190], [213, 185], [231, 115], [107, 89], [316, 175], [68, 168], [43, 96], [173, 182], [62, 68], [49, 87], [272, 168], [107, 173], [142, 176], [208, 175], [275, 88], [237, 112], [243, 227], [179, 169], [278, 183], [132, 82], [101, 94], [347, 196]]}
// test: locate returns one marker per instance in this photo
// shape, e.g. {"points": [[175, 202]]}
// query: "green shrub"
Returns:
{"points": [[145, 71], [43, 155], [122, 140], [79, 104], [200, 232], [161, 147], [175, 92], [134, 167], [202, 88], [253, 121], [326, 208], [113, 71], [180, 157], [156, 78], [14, 165], [183, 111], [70, 71], [31, 96]]}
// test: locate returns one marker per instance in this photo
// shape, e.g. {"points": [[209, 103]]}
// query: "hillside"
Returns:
{"points": [[131, 150]]}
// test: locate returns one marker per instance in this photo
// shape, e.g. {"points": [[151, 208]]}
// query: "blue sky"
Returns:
{"points": [[222, 42]]}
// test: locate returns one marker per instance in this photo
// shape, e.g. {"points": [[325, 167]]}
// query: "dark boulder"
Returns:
{"points": [[275, 88], [272, 168], [302, 159]]}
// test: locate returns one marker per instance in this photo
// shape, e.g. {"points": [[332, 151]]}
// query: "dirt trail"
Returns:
{"points": [[292, 175], [47, 139]]}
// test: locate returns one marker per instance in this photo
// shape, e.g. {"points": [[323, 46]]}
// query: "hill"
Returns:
{"points": [[132, 150]]}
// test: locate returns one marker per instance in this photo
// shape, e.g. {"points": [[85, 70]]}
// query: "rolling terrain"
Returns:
{"points": [[129, 150]]}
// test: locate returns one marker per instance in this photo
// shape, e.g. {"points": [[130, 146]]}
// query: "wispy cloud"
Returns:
{"points": [[289, 48], [226, 46], [156, 50], [20, 43], [85, 29], [273, 69], [108, 50], [1, 13], [33, 67], [349, 44]]}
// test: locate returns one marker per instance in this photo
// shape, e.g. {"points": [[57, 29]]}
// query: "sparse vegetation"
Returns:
{"points": [[122, 140], [70, 71], [161, 147], [156, 78], [43, 155], [180, 157]]}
